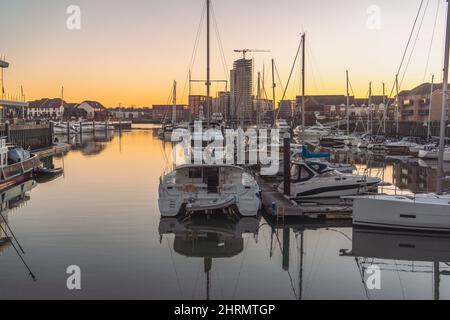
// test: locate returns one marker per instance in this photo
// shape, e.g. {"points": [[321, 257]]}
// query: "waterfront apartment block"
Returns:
{"points": [[415, 103]]}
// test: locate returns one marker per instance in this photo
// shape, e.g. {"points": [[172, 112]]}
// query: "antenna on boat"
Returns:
{"points": [[274, 86]]}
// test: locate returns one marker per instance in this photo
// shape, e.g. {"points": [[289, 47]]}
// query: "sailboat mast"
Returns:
{"points": [[347, 111], [303, 84], [208, 70], [258, 101], [369, 108], [397, 107], [384, 109], [273, 92], [444, 113], [174, 110], [429, 108]]}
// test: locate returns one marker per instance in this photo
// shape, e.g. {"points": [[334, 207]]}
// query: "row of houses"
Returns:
{"points": [[57, 109]]}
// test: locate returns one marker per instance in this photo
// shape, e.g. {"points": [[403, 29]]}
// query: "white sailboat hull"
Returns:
{"points": [[425, 213]]}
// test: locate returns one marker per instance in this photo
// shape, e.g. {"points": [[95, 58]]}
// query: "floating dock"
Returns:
{"points": [[57, 149], [277, 205]]}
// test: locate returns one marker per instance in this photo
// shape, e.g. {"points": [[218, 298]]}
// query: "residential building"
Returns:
{"points": [[415, 104], [94, 110], [241, 85], [46, 109], [164, 113]]}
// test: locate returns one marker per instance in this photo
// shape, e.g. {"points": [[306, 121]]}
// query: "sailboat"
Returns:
{"points": [[429, 212]]}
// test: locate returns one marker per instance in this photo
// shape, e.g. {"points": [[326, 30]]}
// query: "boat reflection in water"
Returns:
{"points": [[11, 200], [209, 237], [386, 249], [88, 143]]}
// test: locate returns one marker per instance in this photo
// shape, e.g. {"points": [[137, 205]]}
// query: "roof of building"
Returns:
{"points": [[47, 103], [328, 100], [421, 90], [95, 104]]}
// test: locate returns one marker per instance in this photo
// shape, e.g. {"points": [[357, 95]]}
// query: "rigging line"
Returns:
{"points": [[311, 67], [410, 37], [198, 276], [432, 40], [415, 42], [194, 50], [240, 269], [282, 89], [400, 280], [219, 40], [174, 266], [406, 48], [292, 69], [12, 233], [20, 256]]}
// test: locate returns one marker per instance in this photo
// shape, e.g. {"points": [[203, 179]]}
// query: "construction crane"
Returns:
{"points": [[244, 51]]}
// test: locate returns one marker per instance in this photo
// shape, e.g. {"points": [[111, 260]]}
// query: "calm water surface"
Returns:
{"points": [[102, 215]]}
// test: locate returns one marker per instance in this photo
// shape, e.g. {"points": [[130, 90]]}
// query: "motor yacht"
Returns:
{"points": [[314, 179]]}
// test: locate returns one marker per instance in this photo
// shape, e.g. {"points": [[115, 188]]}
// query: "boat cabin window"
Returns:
{"points": [[195, 173], [319, 167], [300, 173]]}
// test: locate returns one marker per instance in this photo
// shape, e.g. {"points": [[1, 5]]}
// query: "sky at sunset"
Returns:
{"points": [[130, 52]]}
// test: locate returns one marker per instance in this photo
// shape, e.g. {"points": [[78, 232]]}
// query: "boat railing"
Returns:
{"points": [[19, 168]]}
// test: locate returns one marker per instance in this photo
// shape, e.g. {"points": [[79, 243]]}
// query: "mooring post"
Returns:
{"points": [[68, 131], [52, 132], [8, 131], [287, 164]]}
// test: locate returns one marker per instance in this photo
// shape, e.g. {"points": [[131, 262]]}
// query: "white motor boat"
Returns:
{"points": [[421, 212], [314, 179], [283, 127], [405, 146], [208, 187], [61, 128], [312, 134], [433, 153]]}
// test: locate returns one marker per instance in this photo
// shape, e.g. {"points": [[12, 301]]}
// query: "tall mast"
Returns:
{"points": [[174, 109], [258, 101], [274, 85], [303, 84], [208, 74], [347, 111], [397, 107], [444, 113], [369, 108], [429, 108], [384, 109]]}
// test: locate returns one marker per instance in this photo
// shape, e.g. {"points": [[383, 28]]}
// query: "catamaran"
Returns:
{"points": [[205, 188]]}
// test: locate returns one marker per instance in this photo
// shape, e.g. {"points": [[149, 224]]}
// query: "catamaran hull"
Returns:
{"points": [[394, 214], [172, 207]]}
